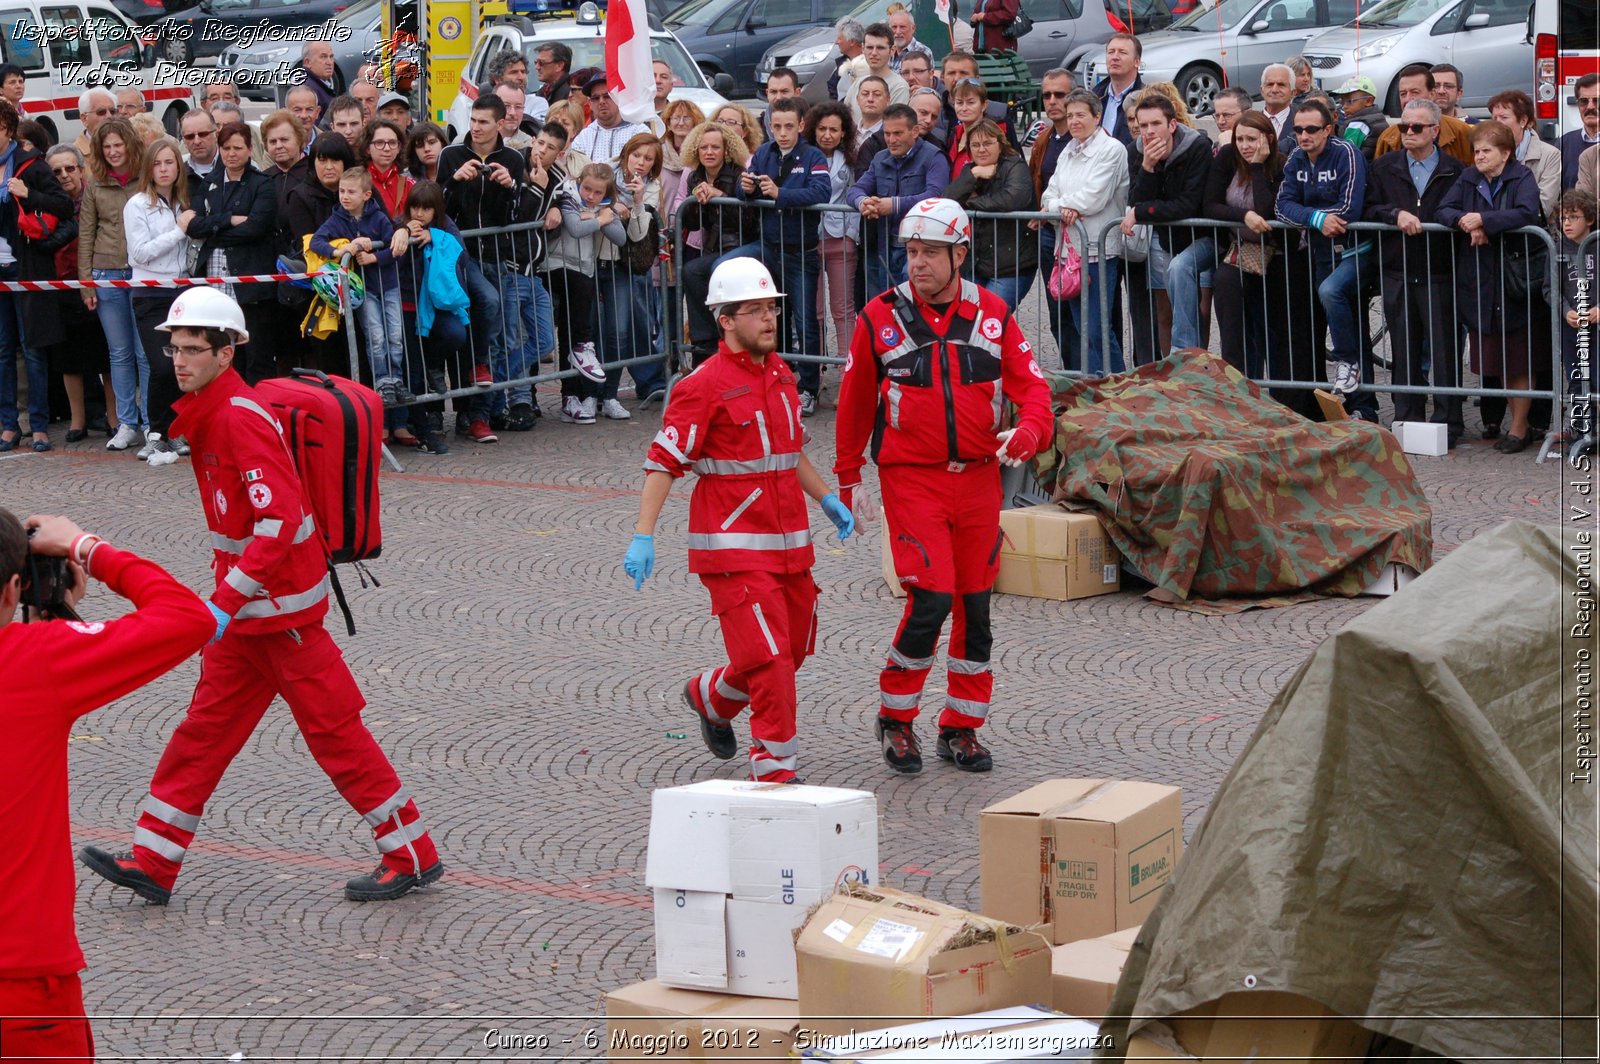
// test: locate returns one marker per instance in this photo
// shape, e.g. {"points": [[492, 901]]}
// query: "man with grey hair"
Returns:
{"points": [[1226, 107], [130, 102], [905, 42], [1404, 189], [219, 91], [850, 38], [366, 94], [1277, 95], [508, 67], [319, 73], [301, 102], [94, 107]]}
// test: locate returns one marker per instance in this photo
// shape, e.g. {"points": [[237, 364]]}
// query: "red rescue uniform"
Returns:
{"points": [[56, 672], [736, 422], [928, 387], [272, 579]]}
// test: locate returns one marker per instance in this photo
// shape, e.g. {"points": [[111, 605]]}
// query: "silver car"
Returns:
{"points": [[1229, 43], [1485, 39]]}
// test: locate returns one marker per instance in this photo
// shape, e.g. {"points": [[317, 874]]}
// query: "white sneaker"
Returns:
{"points": [[586, 411], [571, 409], [808, 404], [586, 362], [1346, 377], [152, 444], [126, 436], [615, 411]]}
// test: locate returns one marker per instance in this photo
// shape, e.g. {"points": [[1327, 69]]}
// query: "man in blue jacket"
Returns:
{"points": [[792, 174], [903, 174], [1323, 190]]}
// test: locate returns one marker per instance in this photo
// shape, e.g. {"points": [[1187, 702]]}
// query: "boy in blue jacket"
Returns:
{"points": [[792, 173], [1323, 191], [362, 221]]}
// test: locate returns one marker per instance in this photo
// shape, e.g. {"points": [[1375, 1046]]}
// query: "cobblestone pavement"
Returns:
{"points": [[530, 698]]}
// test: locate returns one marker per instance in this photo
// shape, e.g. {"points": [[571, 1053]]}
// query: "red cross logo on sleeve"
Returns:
{"points": [[260, 496]]}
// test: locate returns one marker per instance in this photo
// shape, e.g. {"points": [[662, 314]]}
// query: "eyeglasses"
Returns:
{"points": [[64, 169], [1414, 127], [1054, 95], [1306, 131], [545, 62], [386, 143], [768, 311], [687, 119], [732, 120], [102, 111], [596, 97], [202, 135], [187, 352]]}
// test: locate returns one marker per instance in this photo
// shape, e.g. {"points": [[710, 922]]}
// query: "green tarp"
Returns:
{"points": [[1403, 839], [1212, 490]]}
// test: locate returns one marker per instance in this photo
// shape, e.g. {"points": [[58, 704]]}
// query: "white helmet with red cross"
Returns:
{"points": [[936, 221], [206, 308], [738, 280]]}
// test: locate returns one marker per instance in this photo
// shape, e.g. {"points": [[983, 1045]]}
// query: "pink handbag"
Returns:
{"points": [[1066, 277]]}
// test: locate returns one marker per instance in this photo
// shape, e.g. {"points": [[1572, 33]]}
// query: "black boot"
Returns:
{"points": [[122, 870], [900, 748], [385, 884]]}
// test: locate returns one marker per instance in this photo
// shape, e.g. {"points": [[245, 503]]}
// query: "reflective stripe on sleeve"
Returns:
{"points": [[670, 446], [243, 584], [256, 408], [268, 526], [284, 604]]}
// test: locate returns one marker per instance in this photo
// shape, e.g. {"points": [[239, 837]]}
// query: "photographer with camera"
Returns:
{"points": [[58, 668]]}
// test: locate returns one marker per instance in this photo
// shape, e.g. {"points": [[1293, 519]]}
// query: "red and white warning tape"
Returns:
{"points": [[177, 282]]}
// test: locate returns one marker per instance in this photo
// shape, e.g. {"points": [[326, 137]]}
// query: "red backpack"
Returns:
{"points": [[333, 429]]}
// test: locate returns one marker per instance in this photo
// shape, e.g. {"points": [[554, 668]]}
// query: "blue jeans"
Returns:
{"points": [[37, 365], [130, 370], [1011, 289], [796, 272], [625, 329], [886, 265], [1063, 324], [511, 362], [384, 327], [1187, 273], [1092, 323], [1343, 290]]}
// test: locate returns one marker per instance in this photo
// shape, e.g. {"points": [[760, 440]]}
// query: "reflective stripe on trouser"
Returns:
{"points": [[769, 627], [717, 697], [239, 677], [944, 529]]}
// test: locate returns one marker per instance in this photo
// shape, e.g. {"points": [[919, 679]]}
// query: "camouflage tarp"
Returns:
{"points": [[1409, 838], [1212, 490]]}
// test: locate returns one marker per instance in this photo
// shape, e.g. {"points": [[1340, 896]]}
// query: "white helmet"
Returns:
{"points": [[740, 279], [936, 221], [206, 308]]}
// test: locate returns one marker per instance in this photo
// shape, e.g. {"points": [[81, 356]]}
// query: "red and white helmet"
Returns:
{"points": [[936, 221]]}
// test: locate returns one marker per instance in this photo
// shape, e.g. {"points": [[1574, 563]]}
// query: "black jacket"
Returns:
{"points": [[1000, 247], [41, 318], [1390, 191], [480, 202], [1484, 300], [248, 245], [721, 228], [1263, 194], [310, 204], [283, 182], [1174, 190]]}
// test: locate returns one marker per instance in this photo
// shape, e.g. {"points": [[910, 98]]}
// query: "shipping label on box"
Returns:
{"points": [[1108, 849], [1054, 553]]}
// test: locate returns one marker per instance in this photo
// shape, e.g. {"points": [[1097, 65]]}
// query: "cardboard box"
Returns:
{"points": [[1393, 577], [1087, 857], [1267, 1024], [1155, 1042], [1422, 437], [997, 1037], [735, 866], [873, 953], [1084, 974], [651, 1021], [1332, 406], [1050, 552]]}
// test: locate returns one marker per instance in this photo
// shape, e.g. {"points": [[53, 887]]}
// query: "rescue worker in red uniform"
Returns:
{"points": [[931, 367], [270, 600], [55, 672], [736, 422]]}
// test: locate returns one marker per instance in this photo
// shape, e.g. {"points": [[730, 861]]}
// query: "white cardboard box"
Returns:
{"points": [[1394, 577], [736, 865], [1422, 437], [1003, 1036]]}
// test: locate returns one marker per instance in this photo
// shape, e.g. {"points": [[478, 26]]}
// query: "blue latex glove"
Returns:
{"points": [[222, 620], [839, 514], [641, 559]]}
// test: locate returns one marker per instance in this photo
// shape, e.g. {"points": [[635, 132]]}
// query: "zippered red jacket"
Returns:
{"points": [[930, 388], [270, 562], [736, 422]]}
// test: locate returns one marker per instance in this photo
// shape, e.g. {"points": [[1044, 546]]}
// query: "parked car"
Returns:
{"points": [[1487, 39], [588, 43], [207, 28], [1251, 34], [731, 36], [246, 64], [1063, 30], [140, 12], [85, 43]]}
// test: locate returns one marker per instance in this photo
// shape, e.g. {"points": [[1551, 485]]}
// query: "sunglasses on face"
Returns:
{"points": [[1306, 131], [1055, 96], [1414, 127], [102, 111], [59, 170]]}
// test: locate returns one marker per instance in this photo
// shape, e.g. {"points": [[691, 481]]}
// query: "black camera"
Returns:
{"points": [[45, 583]]}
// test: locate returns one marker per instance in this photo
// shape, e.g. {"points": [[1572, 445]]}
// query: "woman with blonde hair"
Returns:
{"points": [[569, 113], [158, 250], [116, 155], [678, 120], [719, 158], [734, 151], [1161, 88], [743, 123]]}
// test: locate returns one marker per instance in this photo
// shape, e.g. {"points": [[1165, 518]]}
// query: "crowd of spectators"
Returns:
{"points": [[571, 213]]}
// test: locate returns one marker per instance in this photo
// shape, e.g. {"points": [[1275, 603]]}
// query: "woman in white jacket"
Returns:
{"points": [[155, 220], [1090, 192]]}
